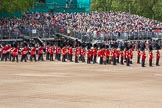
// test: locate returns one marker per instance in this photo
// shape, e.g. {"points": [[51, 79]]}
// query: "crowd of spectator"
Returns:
{"points": [[94, 22]]}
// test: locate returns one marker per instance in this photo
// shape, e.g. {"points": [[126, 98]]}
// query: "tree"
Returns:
{"points": [[16, 5], [147, 8]]}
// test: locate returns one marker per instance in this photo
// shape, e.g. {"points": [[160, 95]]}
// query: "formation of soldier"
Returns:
{"points": [[77, 52]]}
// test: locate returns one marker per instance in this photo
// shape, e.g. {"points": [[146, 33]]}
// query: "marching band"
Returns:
{"points": [[100, 54]]}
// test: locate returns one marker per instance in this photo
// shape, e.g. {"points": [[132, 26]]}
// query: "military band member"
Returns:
{"points": [[127, 58], [33, 53], [138, 56], [157, 57], [150, 57], [130, 55], [47, 51], [23, 53], [114, 56], [63, 54], [4, 51], [117, 55], [89, 55], [121, 57], [51, 52], [94, 50], [40, 52], [143, 58], [70, 51], [58, 53], [83, 54], [15, 53], [107, 54]]}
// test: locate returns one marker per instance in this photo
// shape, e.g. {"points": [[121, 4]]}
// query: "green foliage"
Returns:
{"points": [[15, 5], [147, 8]]}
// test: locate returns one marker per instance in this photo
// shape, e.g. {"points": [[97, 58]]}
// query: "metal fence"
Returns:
{"points": [[52, 29]]}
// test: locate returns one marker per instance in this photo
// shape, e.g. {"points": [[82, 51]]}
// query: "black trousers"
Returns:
{"points": [[138, 59], [114, 61], [76, 59], [23, 58], [94, 59], [15, 57], [4, 57], [71, 57], [82, 58], [128, 61], [10, 58], [33, 56], [88, 60], [51, 57], [63, 58], [143, 63], [157, 61], [107, 59], [117, 59], [47, 56], [150, 62], [59, 57], [121, 60], [101, 60], [40, 57]]}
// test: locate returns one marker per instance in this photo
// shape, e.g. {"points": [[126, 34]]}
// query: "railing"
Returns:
{"points": [[50, 31]]}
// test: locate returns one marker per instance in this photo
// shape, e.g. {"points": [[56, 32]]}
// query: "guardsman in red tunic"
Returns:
{"points": [[7, 51], [33, 53], [107, 54], [77, 52], [63, 54], [51, 52], [47, 51], [15, 53], [89, 55], [3, 52], [125, 51], [114, 56], [121, 57], [157, 57], [138, 56], [24, 52], [130, 55], [117, 55], [40, 52], [82, 54], [150, 57], [127, 58], [58, 53], [11, 55], [143, 59], [71, 53], [94, 50]]}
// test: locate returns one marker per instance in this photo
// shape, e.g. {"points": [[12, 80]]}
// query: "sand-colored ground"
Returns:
{"points": [[70, 85]]}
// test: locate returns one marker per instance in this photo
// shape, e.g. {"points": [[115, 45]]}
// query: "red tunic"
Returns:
{"points": [[94, 52], [51, 50], [157, 54], [150, 55], [121, 54], [24, 51], [143, 56], [40, 50], [70, 50], [89, 53], [107, 52], [15, 51], [32, 51]]}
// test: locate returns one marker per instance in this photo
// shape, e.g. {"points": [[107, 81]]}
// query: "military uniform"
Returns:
{"points": [[150, 58], [157, 57], [143, 59]]}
